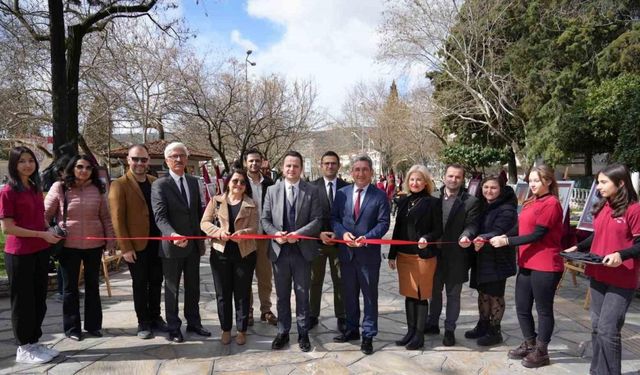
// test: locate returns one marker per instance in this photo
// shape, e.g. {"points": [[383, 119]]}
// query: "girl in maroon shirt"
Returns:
{"points": [[616, 237], [540, 265], [26, 254]]}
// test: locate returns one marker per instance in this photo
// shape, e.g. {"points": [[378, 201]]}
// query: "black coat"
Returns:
{"points": [[453, 261], [423, 220], [497, 218], [324, 200]]}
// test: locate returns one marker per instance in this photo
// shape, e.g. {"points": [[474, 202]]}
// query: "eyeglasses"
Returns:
{"points": [[85, 167], [139, 160], [177, 156], [237, 181]]}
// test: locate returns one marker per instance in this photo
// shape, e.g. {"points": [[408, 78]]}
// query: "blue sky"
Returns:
{"points": [[215, 20], [332, 43]]}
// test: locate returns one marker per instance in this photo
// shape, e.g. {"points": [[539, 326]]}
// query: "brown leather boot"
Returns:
{"points": [[523, 350], [538, 357]]}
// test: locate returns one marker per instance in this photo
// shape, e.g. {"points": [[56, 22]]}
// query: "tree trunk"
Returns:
{"points": [[512, 167], [59, 100], [588, 164], [74, 50]]}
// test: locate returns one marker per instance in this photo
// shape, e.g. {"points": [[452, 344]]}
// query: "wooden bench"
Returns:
{"points": [[575, 269]]}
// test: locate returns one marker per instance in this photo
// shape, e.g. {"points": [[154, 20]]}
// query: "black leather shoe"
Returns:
{"points": [[342, 325], [303, 343], [347, 336], [159, 325], [176, 336], [95, 333], [75, 336], [280, 341], [313, 321], [199, 331], [367, 345], [449, 338]]}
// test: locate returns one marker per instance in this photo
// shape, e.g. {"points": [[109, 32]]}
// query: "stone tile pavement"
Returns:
{"points": [[120, 352]]}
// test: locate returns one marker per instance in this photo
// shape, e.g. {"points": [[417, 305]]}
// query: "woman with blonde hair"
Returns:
{"points": [[419, 219]]}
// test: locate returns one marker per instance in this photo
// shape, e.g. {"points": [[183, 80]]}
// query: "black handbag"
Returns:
{"points": [[56, 249]]}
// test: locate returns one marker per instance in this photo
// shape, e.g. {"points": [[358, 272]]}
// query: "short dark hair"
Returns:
{"points": [[253, 151], [247, 185], [455, 166], [330, 153], [14, 176], [294, 154]]}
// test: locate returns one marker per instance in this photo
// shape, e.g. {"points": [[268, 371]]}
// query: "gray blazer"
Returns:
{"points": [[308, 217], [173, 216]]}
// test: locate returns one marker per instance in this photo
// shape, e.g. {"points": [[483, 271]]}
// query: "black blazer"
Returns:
{"points": [[324, 200], [423, 220], [453, 261], [174, 216]]}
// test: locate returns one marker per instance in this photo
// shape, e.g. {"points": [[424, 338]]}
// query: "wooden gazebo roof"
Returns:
{"points": [[156, 151]]}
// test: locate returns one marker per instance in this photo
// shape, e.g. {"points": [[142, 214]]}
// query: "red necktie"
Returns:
{"points": [[356, 208]]}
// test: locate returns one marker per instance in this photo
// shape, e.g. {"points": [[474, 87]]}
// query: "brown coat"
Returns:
{"points": [[129, 212], [246, 222]]}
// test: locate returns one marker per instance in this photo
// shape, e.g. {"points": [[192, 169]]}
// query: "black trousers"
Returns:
{"points": [[28, 282], [146, 276], [173, 269], [232, 278], [538, 286], [70, 264]]}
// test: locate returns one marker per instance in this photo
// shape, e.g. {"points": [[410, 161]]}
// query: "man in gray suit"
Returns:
{"points": [[177, 208], [292, 207]]}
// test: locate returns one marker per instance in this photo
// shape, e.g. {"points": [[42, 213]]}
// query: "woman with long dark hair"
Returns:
{"points": [[87, 216], [539, 237], [492, 266], [232, 260], [419, 219], [26, 254], [616, 237]]}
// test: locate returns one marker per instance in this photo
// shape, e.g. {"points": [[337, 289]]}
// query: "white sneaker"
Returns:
{"points": [[29, 354], [51, 352]]}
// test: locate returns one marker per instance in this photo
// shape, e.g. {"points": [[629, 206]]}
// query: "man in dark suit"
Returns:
{"points": [[460, 213], [259, 184], [178, 209], [328, 185], [360, 212], [292, 207], [132, 216]]}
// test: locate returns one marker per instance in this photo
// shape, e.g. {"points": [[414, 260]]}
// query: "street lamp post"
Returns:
{"points": [[247, 62]]}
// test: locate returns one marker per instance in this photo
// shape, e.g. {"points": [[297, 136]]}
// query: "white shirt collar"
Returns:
{"points": [[175, 176]]}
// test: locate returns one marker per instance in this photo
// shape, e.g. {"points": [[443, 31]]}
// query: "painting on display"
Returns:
{"points": [[586, 218]]}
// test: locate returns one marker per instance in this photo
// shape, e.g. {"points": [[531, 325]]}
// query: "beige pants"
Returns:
{"points": [[264, 275]]}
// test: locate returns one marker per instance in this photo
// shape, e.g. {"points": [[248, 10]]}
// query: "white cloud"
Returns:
{"points": [[246, 44], [331, 42]]}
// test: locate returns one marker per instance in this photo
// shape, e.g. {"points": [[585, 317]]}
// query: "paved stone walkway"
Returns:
{"points": [[120, 352]]}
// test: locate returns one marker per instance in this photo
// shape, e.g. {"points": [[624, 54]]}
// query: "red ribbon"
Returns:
{"points": [[368, 241]]}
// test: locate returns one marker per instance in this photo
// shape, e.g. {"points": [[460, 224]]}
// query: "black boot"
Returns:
{"points": [[417, 341], [493, 336], [410, 310], [479, 330]]}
